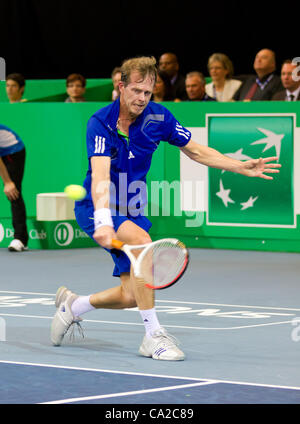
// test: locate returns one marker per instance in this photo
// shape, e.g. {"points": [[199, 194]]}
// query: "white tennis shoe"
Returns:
{"points": [[161, 346], [63, 318], [17, 246]]}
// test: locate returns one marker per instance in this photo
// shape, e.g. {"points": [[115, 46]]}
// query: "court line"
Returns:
{"points": [[165, 325], [121, 394], [176, 301], [68, 367], [200, 380]]}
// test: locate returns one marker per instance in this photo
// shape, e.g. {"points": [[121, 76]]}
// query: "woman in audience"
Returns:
{"points": [[163, 91], [223, 86]]}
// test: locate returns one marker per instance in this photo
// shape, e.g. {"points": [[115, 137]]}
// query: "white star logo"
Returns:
{"points": [[224, 195], [271, 140], [238, 155], [249, 203]]}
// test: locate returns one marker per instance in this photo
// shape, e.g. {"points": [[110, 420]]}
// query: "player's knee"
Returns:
{"points": [[131, 302], [129, 299], [127, 294]]}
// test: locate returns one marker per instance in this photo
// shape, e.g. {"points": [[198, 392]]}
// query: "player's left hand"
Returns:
{"points": [[260, 167]]}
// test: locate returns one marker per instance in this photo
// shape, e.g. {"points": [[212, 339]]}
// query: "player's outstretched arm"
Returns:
{"points": [[213, 158]]}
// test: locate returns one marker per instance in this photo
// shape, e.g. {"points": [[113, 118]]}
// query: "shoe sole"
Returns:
{"points": [[143, 353], [56, 341], [61, 294]]}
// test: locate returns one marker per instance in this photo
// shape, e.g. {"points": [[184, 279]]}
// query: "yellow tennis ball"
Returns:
{"points": [[75, 192]]}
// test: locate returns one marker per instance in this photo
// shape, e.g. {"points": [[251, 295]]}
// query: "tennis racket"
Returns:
{"points": [[160, 264]]}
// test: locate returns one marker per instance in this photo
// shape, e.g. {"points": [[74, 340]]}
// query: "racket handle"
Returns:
{"points": [[117, 244]]}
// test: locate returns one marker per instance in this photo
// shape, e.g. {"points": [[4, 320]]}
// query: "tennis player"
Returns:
{"points": [[121, 139]]}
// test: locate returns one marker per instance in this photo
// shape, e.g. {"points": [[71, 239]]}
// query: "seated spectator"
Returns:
{"points": [[223, 86], [195, 87], [15, 86], [163, 90], [75, 88], [168, 62], [116, 78], [265, 83], [291, 86]]}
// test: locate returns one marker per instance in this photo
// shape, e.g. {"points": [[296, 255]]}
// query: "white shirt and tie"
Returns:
{"points": [[292, 96]]}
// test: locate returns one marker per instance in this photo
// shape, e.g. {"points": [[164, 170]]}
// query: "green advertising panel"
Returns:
{"points": [[237, 200], [235, 212], [48, 234]]}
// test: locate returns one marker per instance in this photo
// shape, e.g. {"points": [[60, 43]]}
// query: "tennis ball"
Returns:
{"points": [[75, 192]]}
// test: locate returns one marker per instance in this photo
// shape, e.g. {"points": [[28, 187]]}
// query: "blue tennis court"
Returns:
{"points": [[235, 313]]}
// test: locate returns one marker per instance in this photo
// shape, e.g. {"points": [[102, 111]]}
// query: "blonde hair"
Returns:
{"points": [[144, 65], [226, 62]]}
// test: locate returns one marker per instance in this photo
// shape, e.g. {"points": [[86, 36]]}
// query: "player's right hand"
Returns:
{"points": [[11, 191], [104, 236]]}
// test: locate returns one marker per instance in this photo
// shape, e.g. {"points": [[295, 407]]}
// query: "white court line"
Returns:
{"points": [[121, 394], [200, 380], [176, 301], [142, 374], [165, 325]]}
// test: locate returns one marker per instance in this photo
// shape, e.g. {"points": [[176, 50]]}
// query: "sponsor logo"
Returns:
{"points": [[63, 234], [238, 200], [2, 233], [35, 235]]}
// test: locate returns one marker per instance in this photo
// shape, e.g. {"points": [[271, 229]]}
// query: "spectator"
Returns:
{"points": [[223, 86], [265, 83], [289, 81], [116, 78], [75, 88], [195, 87], [15, 86], [12, 161], [163, 90], [168, 62]]}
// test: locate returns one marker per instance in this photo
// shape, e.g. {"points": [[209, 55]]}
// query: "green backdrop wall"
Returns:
{"points": [[55, 90], [54, 135]]}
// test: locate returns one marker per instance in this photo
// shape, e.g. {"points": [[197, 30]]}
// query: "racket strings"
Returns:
{"points": [[72, 330], [163, 263]]}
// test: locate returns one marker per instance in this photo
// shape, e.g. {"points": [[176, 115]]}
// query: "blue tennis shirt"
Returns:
{"points": [[10, 142], [130, 158]]}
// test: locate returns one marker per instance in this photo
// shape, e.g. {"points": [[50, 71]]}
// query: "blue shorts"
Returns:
{"points": [[84, 214]]}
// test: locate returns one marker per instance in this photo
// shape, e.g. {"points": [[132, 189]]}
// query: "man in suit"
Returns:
{"points": [[289, 77], [168, 62], [265, 83], [195, 87]]}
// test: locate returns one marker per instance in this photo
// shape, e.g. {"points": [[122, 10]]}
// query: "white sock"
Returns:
{"points": [[81, 305], [150, 321]]}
